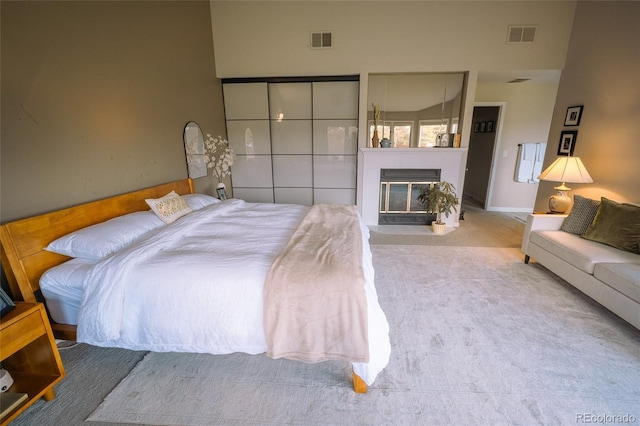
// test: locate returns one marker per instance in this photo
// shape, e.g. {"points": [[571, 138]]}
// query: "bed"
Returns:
{"points": [[232, 292]]}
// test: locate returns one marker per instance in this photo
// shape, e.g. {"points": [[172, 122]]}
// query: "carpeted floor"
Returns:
{"points": [[478, 229], [478, 337]]}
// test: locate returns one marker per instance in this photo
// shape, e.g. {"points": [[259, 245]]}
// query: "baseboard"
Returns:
{"points": [[510, 209]]}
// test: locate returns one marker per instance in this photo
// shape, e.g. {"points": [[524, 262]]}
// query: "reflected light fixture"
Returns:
{"points": [[564, 169]]}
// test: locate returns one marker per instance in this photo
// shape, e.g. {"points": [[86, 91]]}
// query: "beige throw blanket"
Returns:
{"points": [[315, 307]]}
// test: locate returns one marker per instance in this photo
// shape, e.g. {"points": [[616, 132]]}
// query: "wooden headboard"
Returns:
{"points": [[22, 242]]}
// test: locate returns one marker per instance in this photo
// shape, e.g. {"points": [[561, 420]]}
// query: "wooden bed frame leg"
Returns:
{"points": [[359, 385], [49, 395]]}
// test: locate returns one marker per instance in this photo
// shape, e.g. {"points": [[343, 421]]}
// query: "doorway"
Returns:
{"points": [[482, 142]]}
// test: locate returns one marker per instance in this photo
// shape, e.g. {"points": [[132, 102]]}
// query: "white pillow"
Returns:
{"points": [[198, 201], [100, 240], [170, 207], [68, 275]]}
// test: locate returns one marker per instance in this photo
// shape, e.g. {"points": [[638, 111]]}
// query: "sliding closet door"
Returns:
{"points": [[247, 115], [291, 142], [295, 141], [335, 141]]}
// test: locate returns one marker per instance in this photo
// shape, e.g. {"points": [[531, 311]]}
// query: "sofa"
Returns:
{"points": [[596, 248]]}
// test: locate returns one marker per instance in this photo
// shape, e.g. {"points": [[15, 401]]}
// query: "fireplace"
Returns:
{"points": [[399, 189], [450, 162]]}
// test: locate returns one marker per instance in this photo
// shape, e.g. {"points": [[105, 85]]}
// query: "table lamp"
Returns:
{"points": [[564, 169]]}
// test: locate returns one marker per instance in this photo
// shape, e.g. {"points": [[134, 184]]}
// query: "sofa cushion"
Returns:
{"points": [[581, 253], [616, 224], [581, 215], [624, 277]]}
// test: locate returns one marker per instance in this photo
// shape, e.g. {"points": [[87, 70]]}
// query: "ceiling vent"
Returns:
{"points": [[321, 40], [521, 33]]}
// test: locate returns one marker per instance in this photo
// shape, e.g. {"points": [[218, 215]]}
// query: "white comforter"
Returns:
{"points": [[196, 286]]}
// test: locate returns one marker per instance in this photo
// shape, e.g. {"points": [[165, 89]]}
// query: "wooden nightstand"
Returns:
{"points": [[28, 351]]}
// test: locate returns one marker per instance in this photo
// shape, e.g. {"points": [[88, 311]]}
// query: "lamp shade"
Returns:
{"points": [[566, 169]]}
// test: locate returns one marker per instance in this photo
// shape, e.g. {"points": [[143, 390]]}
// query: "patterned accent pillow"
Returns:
{"points": [[581, 215], [170, 207]]}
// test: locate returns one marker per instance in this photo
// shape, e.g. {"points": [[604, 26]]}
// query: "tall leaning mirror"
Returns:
{"points": [[194, 150], [415, 110]]}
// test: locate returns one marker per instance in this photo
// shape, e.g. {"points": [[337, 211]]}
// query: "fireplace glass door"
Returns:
{"points": [[399, 191]]}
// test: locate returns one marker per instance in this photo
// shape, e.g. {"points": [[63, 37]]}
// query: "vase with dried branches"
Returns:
{"points": [[219, 157], [375, 140]]}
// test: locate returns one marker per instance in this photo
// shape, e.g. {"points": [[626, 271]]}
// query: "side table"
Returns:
{"points": [[29, 353]]}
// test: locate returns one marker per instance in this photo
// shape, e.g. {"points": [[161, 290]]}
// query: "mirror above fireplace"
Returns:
{"points": [[416, 107]]}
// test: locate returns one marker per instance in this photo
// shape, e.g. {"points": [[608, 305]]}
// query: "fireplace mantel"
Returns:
{"points": [[451, 162]]}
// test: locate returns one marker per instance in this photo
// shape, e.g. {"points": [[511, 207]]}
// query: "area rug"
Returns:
{"points": [[478, 337]]}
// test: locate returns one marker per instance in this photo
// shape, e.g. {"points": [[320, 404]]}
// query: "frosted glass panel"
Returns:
{"points": [[295, 142], [246, 101], [336, 196], [252, 171], [293, 171], [334, 171], [336, 99], [335, 136], [290, 101], [302, 196], [249, 137], [254, 195], [291, 137]]}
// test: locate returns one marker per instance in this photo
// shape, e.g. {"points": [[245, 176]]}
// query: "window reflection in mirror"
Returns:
{"points": [[416, 108]]}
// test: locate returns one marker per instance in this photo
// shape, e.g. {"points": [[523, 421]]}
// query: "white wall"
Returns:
{"points": [[271, 38], [526, 117]]}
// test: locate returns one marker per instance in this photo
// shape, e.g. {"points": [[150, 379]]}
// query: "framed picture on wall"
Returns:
{"points": [[567, 142], [574, 114], [490, 125], [476, 127]]}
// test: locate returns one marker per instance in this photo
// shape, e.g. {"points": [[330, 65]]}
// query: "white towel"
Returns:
{"points": [[529, 151], [537, 165], [541, 148], [525, 162]]}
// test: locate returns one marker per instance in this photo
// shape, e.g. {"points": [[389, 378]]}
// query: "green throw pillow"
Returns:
{"points": [[617, 225]]}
